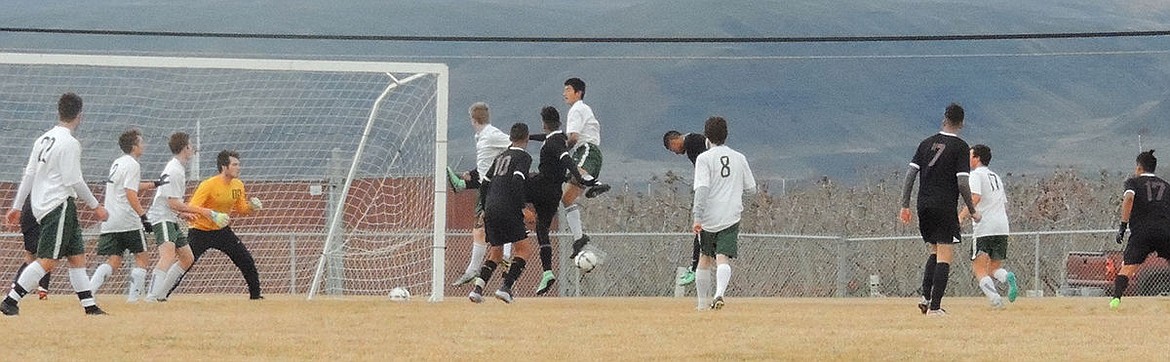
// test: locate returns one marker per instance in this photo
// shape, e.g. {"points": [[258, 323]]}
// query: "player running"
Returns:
{"points": [[52, 178], [127, 226], [1145, 210], [991, 234]]}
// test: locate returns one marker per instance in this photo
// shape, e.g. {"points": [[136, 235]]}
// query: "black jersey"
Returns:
{"points": [[1151, 204], [940, 160], [506, 183], [555, 161], [693, 145]]}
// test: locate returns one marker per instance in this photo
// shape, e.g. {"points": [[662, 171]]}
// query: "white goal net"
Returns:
{"points": [[348, 158]]}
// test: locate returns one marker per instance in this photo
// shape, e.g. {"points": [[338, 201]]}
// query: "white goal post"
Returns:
{"points": [[349, 157]]}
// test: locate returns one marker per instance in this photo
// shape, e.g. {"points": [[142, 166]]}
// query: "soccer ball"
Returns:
{"points": [[586, 261], [399, 294]]}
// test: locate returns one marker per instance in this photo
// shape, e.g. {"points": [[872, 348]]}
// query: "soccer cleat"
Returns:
{"points": [[546, 282], [923, 306], [997, 303], [455, 181], [936, 313], [94, 311], [464, 279], [718, 303], [504, 294], [596, 190], [42, 293], [578, 245], [476, 295], [1114, 303], [9, 309], [686, 279], [1013, 287], [258, 297]]}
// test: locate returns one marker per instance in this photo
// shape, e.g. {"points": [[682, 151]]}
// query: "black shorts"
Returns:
{"points": [[1145, 241], [545, 196], [29, 227], [504, 229], [939, 226]]}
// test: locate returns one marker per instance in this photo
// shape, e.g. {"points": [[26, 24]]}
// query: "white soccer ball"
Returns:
{"points": [[586, 261], [399, 294]]}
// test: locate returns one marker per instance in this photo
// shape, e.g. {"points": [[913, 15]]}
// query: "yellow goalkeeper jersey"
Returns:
{"points": [[221, 195]]}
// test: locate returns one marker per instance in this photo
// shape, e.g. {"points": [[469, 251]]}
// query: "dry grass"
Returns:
{"points": [[219, 327]]}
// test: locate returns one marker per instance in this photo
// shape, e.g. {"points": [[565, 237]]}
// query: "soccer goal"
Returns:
{"points": [[348, 157]]}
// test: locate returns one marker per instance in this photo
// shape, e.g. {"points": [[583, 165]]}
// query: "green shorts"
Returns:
{"points": [[722, 242], [167, 231], [588, 157], [994, 245], [119, 242], [60, 233]]}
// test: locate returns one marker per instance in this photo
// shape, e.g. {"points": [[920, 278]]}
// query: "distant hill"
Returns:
{"points": [[798, 111]]}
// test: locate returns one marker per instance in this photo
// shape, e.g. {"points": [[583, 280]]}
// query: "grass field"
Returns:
{"points": [[230, 327]]}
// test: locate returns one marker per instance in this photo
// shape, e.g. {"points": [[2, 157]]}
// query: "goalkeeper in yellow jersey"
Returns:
{"points": [[225, 193]]}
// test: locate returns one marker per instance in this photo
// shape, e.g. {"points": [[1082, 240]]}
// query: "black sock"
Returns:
{"points": [[695, 254], [546, 257], [942, 272], [928, 275], [514, 272], [45, 281], [485, 272], [1119, 284]]}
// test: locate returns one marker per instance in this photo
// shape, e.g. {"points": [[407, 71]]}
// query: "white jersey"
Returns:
{"points": [[54, 168], [160, 210], [125, 174], [726, 173], [581, 121], [489, 143], [992, 202]]}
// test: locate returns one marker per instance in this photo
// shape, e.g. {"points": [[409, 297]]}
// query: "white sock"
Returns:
{"points": [[722, 277], [573, 219], [137, 282], [29, 279], [81, 284], [172, 277], [99, 276], [508, 251], [156, 281], [477, 253], [703, 287], [1000, 275], [988, 287]]}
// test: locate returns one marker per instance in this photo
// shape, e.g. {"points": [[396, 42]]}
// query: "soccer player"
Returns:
{"points": [[991, 234], [722, 177], [224, 193], [692, 144], [544, 188], [52, 178], [943, 161], [166, 209], [584, 136], [490, 142], [32, 235], [127, 226], [1145, 210], [504, 187]]}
